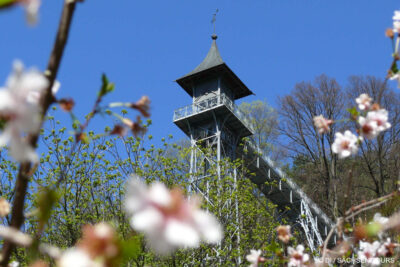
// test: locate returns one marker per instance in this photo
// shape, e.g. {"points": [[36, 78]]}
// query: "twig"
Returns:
{"points": [[352, 212], [371, 202], [25, 168], [339, 221], [364, 209], [17, 237]]}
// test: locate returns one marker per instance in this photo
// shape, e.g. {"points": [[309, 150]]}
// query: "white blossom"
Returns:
{"points": [[4, 207], [345, 144], [381, 118], [297, 257], [75, 257], [396, 26], [34, 96], [31, 10], [254, 257], [168, 220], [396, 76], [396, 15], [364, 102], [22, 117], [13, 264], [396, 21], [380, 219], [367, 253]]}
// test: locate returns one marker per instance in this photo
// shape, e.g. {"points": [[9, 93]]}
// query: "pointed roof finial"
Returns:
{"points": [[214, 19]]}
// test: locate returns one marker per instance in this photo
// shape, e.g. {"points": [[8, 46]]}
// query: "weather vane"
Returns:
{"points": [[214, 19]]}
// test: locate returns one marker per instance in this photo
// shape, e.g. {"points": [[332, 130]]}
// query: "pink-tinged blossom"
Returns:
{"points": [[364, 102], [368, 128], [368, 253], [284, 234], [254, 258], [345, 144], [297, 257], [322, 124], [168, 220], [21, 115], [100, 243], [381, 118], [386, 249]]}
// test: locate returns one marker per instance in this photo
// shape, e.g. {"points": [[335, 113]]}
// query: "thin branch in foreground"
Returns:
{"points": [[24, 171]]}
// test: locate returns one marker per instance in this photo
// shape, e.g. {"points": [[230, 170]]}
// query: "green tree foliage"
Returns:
{"points": [[87, 185]]}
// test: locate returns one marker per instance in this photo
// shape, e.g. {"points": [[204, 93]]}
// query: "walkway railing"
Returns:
{"points": [[310, 213], [211, 103]]}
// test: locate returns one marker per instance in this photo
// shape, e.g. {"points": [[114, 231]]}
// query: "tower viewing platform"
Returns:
{"points": [[214, 87], [220, 105]]}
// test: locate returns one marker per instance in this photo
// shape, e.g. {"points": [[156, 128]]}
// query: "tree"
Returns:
{"points": [[379, 158], [264, 120], [296, 111], [93, 190], [371, 173]]}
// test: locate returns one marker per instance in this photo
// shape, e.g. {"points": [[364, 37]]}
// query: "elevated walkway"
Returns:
{"points": [[286, 194]]}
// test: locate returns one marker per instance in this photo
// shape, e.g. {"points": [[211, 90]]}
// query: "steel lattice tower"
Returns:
{"points": [[214, 121]]}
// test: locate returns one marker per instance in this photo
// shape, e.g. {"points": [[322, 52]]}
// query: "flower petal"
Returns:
{"points": [[147, 220], [181, 234], [208, 226]]}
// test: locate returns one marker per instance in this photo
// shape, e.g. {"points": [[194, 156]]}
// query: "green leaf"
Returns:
{"points": [[6, 3], [273, 246], [353, 111], [2, 124], [46, 201], [373, 229], [394, 68], [130, 248], [106, 86]]}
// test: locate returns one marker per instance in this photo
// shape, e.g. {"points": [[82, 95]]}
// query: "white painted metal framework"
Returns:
{"points": [[313, 220], [214, 122]]}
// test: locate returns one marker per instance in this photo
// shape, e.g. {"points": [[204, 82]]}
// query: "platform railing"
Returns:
{"points": [[211, 103]]}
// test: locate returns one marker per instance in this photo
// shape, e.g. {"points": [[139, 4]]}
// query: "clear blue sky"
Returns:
{"points": [[143, 46]]}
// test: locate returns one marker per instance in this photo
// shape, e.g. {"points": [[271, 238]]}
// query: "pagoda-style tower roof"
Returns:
{"points": [[210, 66]]}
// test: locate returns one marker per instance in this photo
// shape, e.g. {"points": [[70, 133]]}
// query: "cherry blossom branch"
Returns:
{"points": [[353, 211], [24, 171]]}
